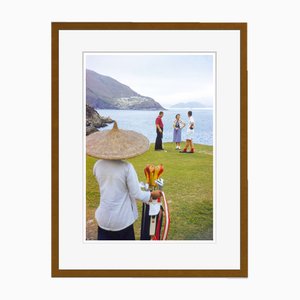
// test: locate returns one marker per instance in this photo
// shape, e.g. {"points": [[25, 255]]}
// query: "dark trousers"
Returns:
{"points": [[158, 141], [124, 234]]}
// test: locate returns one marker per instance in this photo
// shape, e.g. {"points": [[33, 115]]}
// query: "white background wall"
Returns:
{"points": [[25, 214]]}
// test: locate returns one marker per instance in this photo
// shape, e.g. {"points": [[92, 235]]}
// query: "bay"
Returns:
{"points": [[144, 122]]}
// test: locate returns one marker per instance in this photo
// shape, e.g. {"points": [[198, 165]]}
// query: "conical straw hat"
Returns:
{"points": [[116, 144]]}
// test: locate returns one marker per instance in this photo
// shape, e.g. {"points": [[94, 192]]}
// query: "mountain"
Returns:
{"points": [[192, 104], [103, 92]]}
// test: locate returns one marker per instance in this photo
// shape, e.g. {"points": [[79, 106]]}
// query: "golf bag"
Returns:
{"points": [[155, 215]]}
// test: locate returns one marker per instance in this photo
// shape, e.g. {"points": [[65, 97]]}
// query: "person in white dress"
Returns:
{"points": [[178, 124]]}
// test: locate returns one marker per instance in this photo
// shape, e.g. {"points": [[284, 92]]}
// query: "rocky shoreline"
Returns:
{"points": [[94, 120]]}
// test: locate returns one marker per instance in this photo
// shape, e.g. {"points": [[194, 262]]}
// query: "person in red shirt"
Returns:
{"points": [[159, 131]]}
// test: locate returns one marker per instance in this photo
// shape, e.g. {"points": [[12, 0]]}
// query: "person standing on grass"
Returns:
{"points": [[159, 131], [177, 125], [118, 181], [190, 134]]}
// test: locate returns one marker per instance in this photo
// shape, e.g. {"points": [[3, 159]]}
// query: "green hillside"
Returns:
{"points": [[188, 188]]}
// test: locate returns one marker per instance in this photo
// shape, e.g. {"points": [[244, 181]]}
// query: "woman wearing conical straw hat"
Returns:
{"points": [[118, 181]]}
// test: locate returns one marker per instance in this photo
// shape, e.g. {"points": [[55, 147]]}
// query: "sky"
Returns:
{"points": [[168, 79]]}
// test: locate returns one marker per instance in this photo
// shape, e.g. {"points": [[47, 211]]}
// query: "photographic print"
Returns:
{"points": [[136, 91], [149, 149]]}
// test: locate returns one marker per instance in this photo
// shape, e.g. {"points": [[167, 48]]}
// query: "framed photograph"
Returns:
{"points": [[149, 150]]}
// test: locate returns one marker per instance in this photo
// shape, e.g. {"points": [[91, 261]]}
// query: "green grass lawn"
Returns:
{"points": [[188, 186]]}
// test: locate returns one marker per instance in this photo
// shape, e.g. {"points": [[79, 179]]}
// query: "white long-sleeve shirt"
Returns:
{"points": [[119, 190]]}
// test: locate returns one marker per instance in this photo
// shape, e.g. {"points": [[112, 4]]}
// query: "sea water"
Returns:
{"points": [[144, 122]]}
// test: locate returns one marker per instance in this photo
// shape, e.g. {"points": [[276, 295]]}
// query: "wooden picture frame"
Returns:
{"points": [[61, 27]]}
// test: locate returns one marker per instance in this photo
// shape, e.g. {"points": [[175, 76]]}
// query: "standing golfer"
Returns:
{"points": [[159, 131], [118, 181], [189, 134]]}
